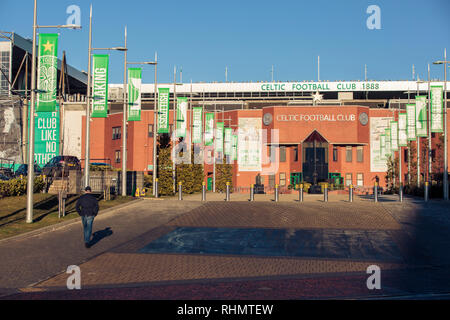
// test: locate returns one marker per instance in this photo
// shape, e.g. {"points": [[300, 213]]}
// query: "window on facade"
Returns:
{"points": [[348, 179], [117, 156], [405, 155], [359, 179], [359, 154], [335, 154], [150, 130], [272, 180], [348, 153], [116, 133], [282, 154], [282, 179], [295, 154]]}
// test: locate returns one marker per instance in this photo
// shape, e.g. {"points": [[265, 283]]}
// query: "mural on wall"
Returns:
{"points": [[11, 131]]}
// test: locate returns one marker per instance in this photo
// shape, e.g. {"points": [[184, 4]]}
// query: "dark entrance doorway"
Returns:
{"points": [[315, 158]]}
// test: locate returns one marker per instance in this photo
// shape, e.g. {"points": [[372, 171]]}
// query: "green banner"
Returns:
{"points": [[182, 106], [163, 110], [421, 116], [388, 142], [228, 142], [437, 109], [134, 94], [209, 129], [383, 147], [219, 137], [197, 123], [234, 155], [394, 135], [402, 137], [47, 72], [100, 86], [411, 122], [46, 136]]}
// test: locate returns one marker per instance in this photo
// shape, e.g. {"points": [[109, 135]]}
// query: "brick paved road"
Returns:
{"points": [[418, 230]]}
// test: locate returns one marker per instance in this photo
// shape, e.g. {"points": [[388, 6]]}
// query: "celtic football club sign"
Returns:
{"points": [[411, 122], [134, 94], [402, 137], [47, 72], [209, 129], [394, 135], [437, 109], [219, 137], [228, 142]]}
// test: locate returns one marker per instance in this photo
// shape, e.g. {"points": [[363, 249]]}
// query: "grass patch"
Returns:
{"points": [[13, 212]]}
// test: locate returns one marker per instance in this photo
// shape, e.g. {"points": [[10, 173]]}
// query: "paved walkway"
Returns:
{"points": [[155, 248]]}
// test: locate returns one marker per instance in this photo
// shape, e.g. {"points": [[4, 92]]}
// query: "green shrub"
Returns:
{"points": [[18, 187]]}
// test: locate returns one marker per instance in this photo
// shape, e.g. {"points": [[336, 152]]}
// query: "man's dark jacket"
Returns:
{"points": [[87, 205]]}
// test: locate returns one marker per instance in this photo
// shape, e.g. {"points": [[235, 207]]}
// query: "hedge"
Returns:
{"points": [[18, 187]]}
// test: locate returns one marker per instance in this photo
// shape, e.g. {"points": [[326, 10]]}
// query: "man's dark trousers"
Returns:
{"points": [[87, 208]]}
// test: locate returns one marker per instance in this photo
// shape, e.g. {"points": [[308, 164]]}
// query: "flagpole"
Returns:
{"points": [[124, 122], [88, 107], [155, 130], [418, 144], [174, 128], [31, 134], [429, 128]]}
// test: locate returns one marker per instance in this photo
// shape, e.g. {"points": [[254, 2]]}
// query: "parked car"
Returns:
{"points": [[4, 178], [60, 166], [23, 170]]}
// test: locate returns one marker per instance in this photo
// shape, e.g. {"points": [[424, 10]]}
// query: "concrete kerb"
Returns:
{"points": [[65, 223]]}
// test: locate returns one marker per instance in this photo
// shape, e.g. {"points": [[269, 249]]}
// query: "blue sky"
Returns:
{"points": [[248, 37]]}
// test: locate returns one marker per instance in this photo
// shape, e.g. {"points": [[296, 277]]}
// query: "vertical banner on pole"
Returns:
{"points": [[234, 153], [402, 137], [219, 137], [394, 135], [437, 109], [100, 86], [387, 132], [197, 117], [383, 147], [421, 116], [163, 110], [182, 106], [47, 72], [228, 141], [209, 129], [134, 94], [411, 122]]}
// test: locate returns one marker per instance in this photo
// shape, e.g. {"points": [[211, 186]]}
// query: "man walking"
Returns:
{"points": [[87, 208]]}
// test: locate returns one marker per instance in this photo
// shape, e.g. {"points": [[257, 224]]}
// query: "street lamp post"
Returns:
{"points": [[88, 101], [30, 176], [445, 182]]}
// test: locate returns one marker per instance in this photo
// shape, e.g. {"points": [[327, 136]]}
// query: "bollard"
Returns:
{"points": [[426, 192], [180, 191], [350, 193], [276, 193], [300, 193], [203, 191], [156, 188], [325, 193], [228, 192], [375, 192], [400, 193], [252, 193]]}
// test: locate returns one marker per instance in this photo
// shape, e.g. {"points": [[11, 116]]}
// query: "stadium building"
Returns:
{"points": [[324, 130]]}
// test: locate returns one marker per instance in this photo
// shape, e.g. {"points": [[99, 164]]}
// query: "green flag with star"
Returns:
{"points": [[47, 72]]}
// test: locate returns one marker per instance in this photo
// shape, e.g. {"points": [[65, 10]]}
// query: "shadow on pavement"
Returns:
{"points": [[99, 235]]}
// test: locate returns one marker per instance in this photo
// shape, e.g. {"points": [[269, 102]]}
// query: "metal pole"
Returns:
{"points": [[325, 193], [252, 193], [174, 122], [214, 146], [88, 107], [228, 192], [155, 130], [180, 191], [124, 122], [400, 178], [429, 128], [156, 188], [300, 193], [276, 193], [375, 192], [350, 194], [418, 150], [30, 181], [426, 193], [445, 129], [203, 191]]}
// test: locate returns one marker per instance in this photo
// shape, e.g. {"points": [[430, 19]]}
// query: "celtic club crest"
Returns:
{"points": [[47, 79]]}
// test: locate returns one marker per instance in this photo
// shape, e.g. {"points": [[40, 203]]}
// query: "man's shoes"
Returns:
{"points": [[87, 245]]}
